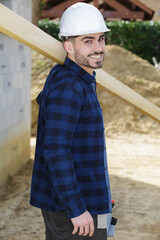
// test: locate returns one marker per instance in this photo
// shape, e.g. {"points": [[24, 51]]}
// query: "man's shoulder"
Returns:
{"points": [[62, 75]]}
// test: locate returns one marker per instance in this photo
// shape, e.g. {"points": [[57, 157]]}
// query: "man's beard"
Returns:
{"points": [[84, 61]]}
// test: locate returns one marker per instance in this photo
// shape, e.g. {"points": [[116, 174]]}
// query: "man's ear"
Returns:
{"points": [[68, 46]]}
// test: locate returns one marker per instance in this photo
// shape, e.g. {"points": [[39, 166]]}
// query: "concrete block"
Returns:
{"points": [[4, 64], [9, 99], [1, 83], [21, 9], [5, 44], [7, 3], [18, 48], [13, 132], [3, 103], [24, 126], [15, 106], [18, 63], [15, 80], [11, 117], [4, 136], [11, 160], [29, 62], [27, 50], [15, 6], [23, 63], [2, 44], [19, 129], [23, 96], [14, 61], [3, 122], [28, 94], [5, 157], [28, 78], [14, 47], [18, 80], [7, 82]]}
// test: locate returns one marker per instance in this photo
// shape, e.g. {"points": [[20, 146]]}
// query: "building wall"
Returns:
{"points": [[15, 106]]}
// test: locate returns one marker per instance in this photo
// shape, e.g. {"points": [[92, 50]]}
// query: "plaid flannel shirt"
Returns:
{"points": [[69, 170]]}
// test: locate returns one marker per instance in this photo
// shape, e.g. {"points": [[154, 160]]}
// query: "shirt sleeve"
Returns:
{"points": [[62, 111]]}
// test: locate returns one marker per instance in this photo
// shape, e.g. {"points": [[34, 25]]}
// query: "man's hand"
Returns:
{"points": [[84, 223]]}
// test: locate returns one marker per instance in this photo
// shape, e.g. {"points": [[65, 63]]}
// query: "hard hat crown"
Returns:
{"points": [[81, 18]]}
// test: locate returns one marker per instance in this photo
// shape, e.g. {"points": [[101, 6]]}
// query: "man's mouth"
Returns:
{"points": [[96, 56]]}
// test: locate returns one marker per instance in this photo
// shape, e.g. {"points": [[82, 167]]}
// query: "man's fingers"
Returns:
{"points": [[84, 223], [75, 230], [81, 230], [91, 229], [86, 230]]}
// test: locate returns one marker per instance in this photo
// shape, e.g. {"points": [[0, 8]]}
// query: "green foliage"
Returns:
{"points": [[50, 27], [141, 38], [41, 5]]}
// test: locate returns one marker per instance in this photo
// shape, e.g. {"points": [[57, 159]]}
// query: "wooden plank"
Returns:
{"points": [[52, 13], [123, 15], [116, 5], [115, 87], [25, 32], [142, 6], [58, 10]]}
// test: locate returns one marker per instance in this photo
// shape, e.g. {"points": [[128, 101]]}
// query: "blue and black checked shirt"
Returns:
{"points": [[69, 168]]}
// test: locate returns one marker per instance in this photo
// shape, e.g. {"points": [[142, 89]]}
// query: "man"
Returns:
{"points": [[70, 180]]}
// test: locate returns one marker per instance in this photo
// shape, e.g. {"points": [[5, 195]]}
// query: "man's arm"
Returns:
{"points": [[63, 106]]}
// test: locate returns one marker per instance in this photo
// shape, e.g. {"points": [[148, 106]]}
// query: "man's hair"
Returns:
{"points": [[71, 38]]}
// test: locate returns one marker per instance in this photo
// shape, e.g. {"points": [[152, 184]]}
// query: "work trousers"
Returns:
{"points": [[59, 227]]}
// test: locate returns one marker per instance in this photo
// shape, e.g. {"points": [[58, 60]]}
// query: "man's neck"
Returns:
{"points": [[87, 69]]}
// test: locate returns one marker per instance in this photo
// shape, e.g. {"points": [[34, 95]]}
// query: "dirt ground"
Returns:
{"points": [[133, 156], [134, 167]]}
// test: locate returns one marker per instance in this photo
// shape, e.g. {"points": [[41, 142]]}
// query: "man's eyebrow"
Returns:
{"points": [[90, 37]]}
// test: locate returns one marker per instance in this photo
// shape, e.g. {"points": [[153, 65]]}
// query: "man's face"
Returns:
{"points": [[88, 51]]}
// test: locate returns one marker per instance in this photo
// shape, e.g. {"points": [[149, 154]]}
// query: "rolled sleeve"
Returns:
{"points": [[63, 106]]}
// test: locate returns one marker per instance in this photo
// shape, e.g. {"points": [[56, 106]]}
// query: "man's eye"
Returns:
{"points": [[102, 39], [88, 41]]}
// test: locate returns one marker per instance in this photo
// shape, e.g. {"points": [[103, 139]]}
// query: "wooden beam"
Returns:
{"points": [[96, 3], [25, 32], [58, 10], [116, 5], [124, 92], [52, 13], [142, 6], [123, 15]]}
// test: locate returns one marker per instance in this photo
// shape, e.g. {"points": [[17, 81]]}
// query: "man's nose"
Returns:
{"points": [[98, 47]]}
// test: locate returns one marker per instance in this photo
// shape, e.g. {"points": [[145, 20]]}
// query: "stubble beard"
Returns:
{"points": [[84, 61]]}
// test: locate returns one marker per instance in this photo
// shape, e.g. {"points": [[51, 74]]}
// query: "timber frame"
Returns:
{"points": [[111, 9]]}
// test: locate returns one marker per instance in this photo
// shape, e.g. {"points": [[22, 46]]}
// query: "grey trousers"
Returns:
{"points": [[59, 227]]}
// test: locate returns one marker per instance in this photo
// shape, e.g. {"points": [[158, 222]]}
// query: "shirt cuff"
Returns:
{"points": [[76, 209]]}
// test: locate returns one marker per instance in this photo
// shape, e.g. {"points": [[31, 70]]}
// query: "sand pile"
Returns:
{"points": [[139, 75], [119, 117]]}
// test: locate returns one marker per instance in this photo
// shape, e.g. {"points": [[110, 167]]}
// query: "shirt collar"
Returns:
{"points": [[80, 71]]}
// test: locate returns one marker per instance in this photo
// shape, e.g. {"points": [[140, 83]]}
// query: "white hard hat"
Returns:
{"points": [[81, 18]]}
